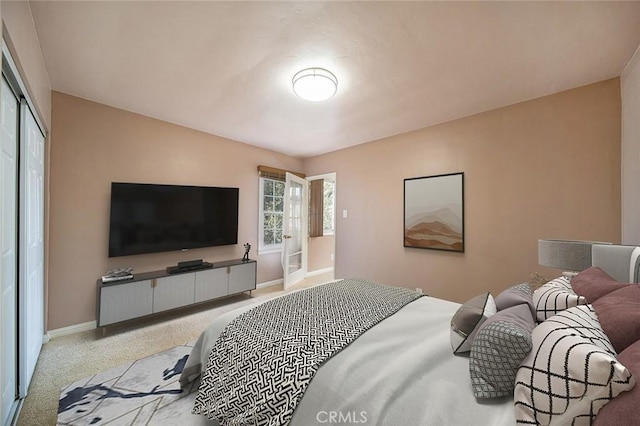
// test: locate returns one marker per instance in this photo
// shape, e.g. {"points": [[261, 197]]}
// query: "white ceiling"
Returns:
{"points": [[225, 67]]}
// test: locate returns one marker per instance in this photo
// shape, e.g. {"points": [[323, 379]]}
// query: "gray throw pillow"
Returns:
{"points": [[499, 347], [468, 319], [516, 295]]}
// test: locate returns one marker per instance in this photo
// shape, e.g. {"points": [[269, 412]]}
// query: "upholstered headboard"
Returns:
{"points": [[620, 261]]}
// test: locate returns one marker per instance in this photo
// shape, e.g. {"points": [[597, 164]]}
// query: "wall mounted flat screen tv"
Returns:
{"points": [[149, 218]]}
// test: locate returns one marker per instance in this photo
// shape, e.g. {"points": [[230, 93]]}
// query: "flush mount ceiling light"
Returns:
{"points": [[315, 84]]}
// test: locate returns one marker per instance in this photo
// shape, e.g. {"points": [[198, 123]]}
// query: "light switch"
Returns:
{"points": [[344, 213]]}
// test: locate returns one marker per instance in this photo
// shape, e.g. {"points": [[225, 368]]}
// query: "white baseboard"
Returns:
{"points": [[319, 272], [72, 329], [270, 283], [281, 281]]}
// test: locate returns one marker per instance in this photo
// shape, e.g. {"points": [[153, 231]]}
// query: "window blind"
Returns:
{"points": [[276, 174]]}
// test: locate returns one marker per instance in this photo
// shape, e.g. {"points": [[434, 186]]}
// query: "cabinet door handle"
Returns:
{"points": [[153, 283]]}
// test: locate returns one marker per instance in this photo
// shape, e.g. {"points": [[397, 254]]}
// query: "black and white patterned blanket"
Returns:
{"points": [[263, 361]]}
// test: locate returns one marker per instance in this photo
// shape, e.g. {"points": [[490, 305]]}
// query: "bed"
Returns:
{"points": [[402, 369]]}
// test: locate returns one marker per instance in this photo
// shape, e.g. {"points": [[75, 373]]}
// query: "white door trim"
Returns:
{"points": [[333, 176], [8, 254], [31, 246]]}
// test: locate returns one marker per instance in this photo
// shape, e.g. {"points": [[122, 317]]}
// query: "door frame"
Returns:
{"points": [[31, 245], [9, 312], [333, 176]]}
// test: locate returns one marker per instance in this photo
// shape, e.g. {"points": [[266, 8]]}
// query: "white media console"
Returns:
{"points": [[158, 291]]}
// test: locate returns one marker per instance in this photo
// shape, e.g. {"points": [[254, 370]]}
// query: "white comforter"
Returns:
{"points": [[400, 372]]}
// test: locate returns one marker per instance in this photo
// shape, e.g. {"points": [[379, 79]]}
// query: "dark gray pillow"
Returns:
{"points": [[468, 319], [500, 345]]}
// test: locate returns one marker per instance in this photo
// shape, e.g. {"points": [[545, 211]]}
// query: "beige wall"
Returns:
{"points": [[20, 33], [547, 168], [93, 145], [320, 250], [630, 88]]}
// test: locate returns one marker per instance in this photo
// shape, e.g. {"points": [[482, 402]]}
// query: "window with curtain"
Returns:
{"points": [[271, 208]]}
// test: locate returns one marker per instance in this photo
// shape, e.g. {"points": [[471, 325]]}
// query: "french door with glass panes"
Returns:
{"points": [[294, 238]]}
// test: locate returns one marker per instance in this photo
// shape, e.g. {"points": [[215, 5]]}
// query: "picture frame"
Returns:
{"points": [[434, 212]]}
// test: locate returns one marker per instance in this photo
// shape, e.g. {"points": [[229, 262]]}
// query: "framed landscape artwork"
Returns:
{"points": [[434, 212]]}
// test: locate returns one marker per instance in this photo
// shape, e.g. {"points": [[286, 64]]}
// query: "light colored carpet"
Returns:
{"points": [[67, 359]]}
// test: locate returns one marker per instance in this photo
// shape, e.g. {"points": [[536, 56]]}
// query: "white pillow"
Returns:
{"points": [[555, 296], [570, 373], [468, 319]]}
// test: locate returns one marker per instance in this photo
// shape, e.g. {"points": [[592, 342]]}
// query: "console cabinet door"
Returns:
{"points": [[173, 292], [242, 277], [126, 301], [211, 284]]}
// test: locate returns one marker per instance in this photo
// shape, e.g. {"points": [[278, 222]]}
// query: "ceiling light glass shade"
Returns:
{"points": [[315, 84]]}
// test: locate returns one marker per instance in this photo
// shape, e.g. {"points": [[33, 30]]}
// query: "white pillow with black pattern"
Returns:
{"points": [[554, 297], [570, 373], [468, 319]]}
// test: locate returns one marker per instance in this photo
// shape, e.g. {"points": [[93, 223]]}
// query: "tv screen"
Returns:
{"points": [[149, 218]]}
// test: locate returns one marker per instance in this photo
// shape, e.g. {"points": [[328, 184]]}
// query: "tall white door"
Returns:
{"points": [[31, 267], [8, 250], [294, 253]]}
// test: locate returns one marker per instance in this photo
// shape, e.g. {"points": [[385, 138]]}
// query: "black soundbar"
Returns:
{"points": [[190, 263], [188, 266]]}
